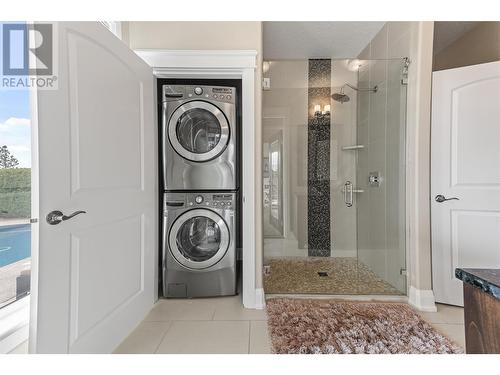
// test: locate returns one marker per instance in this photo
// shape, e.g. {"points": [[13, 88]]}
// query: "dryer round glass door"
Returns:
{"points": [[198, 131], [198, 239]]}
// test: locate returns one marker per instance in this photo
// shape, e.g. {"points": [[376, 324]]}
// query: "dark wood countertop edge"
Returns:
{"points": [[478, 282]]}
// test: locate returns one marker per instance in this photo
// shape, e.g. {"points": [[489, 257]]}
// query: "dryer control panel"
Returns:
{"points": [[219, 200], [210, 93], [216, 200]]}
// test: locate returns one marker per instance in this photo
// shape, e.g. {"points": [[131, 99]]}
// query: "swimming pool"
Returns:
{"points": [[15, 243]]}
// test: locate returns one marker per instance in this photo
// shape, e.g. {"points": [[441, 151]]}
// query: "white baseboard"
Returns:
{"points": [[422, 299], [254, 299], [260, 299]]}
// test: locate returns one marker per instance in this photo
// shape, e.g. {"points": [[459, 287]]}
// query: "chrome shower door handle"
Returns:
{"points": [[55, 217], [441, 198], [348, 193]]}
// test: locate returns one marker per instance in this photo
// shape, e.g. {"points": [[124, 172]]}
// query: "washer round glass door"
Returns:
{"points": [[199, 238], [198, 131]]}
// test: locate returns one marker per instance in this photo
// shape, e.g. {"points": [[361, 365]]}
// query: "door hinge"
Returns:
{"points": [[404, 76], [266, 84], [403, 272], [33, 220]]}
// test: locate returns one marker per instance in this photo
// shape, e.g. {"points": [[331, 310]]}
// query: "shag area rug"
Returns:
{"points": [[305, 326]]}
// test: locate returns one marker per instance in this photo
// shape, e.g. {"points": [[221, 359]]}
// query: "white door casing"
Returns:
{"points": [[465, 163], [97, 152], [239, 64]]}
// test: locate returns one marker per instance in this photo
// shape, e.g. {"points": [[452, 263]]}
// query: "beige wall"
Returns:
{"points": [[479, 45], [195, 35], [212, 36]]}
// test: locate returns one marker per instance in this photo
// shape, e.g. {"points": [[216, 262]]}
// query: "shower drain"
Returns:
{"points": [[323, 274], [267, 270]]}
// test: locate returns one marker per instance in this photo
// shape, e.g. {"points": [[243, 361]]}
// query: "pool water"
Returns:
{"points": [[15, 243]]}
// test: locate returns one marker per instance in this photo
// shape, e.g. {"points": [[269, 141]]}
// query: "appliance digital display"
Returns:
{"points": [[225, 197], [224, 90]]}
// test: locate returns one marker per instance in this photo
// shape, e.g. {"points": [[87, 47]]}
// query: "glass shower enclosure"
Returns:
{"points": [[334, 177]]}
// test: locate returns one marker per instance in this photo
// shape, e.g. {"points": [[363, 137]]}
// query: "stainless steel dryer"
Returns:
{"points": [[199, 244], [199, 137]]}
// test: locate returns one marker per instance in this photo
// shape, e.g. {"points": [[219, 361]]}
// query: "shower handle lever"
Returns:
{"points": [[348, 193]]}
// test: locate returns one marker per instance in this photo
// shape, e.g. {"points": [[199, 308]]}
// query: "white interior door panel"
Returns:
{"points": [[465, 165], [97, 153]]}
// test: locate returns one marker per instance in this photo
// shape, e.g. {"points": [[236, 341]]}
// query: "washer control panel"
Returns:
{"points": [[214, 200], [212, 93]]}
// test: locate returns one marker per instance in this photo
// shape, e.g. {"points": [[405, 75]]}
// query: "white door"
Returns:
{"points": [[97, 153], [465, 154]]}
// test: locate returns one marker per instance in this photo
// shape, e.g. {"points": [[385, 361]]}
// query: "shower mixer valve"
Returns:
{"points": [[374, 179]]}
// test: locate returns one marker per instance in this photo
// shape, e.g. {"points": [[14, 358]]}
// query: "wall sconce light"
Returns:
{"points": [[319, 113], [265, 66]]}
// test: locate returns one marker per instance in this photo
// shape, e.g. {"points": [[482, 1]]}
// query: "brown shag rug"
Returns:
{"points": [[305, 326]]}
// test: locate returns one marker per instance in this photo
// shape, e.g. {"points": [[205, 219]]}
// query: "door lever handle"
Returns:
{"points": [[441, 198], [55, 217], [348, 189]]}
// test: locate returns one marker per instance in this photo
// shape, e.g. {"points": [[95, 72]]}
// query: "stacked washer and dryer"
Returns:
{"points": [[201, 182]]}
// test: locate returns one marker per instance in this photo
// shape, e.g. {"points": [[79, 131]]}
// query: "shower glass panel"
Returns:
{"points": [[333, 176]]}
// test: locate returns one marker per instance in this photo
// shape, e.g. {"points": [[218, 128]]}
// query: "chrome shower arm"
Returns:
{"points": [[373, 89]]}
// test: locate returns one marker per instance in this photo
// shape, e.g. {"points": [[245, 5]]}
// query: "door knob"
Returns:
{"points": [[55, 217], [441, 198]]}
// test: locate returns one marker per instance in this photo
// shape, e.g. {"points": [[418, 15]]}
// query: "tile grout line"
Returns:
{"points": [[249, 334], [207, 320], [163, 337]]}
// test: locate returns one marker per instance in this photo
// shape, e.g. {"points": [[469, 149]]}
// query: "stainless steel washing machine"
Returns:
{"points": [[199, 244], [199, 137]]}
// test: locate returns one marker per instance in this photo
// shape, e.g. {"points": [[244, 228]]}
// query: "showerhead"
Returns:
{"points": [[340, 97], [343, 98]]}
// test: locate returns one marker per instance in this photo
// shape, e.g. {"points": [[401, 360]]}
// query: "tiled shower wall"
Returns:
{"points": [[318, 157], [343, 162], [381, 128], [285, 109]]}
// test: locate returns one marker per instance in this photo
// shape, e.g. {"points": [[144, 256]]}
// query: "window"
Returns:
{"points": [[15, 190]]}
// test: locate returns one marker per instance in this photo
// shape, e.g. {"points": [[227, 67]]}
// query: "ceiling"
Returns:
{"points": [[303, 40], [446, 32]]}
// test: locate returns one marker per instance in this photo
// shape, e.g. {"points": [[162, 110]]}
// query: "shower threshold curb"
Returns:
{"points": [[345, 297]]}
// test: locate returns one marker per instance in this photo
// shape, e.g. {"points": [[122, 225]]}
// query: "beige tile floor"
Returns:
{"points": [[222, 325], [449, 320], [209, 325]]}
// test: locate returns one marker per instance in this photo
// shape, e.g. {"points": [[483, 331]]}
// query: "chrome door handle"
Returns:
{"points": [[348, 193], [55, 217], [441, 198]]}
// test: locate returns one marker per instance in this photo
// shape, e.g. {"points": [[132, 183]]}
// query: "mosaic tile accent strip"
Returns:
{"points": [[318, 155], [320, 275]]}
